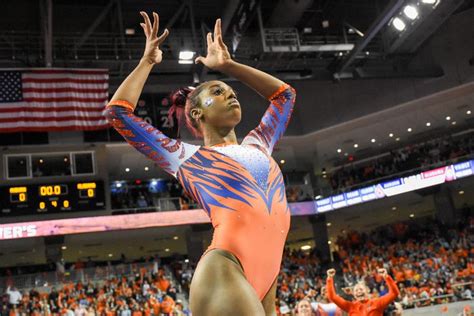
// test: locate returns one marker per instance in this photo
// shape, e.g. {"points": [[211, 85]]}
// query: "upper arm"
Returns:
{"points": [[392, 294], [336, 299], [168, 153], [275, 120]]}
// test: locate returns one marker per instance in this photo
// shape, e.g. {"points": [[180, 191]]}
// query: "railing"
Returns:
{"points": [[164, 204], [43, 281], [395, 175]]}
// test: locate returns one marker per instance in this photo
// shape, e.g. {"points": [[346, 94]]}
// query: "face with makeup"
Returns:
{"points": [[218, 106]]}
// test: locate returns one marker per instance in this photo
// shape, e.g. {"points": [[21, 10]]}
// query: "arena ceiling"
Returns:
{"points": [[93, 34]]}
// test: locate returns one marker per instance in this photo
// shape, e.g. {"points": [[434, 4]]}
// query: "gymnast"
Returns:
{"points": [[240, 186]]}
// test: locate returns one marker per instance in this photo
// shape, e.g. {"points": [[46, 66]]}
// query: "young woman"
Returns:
{"points": [[240, 186], [363, 305]]}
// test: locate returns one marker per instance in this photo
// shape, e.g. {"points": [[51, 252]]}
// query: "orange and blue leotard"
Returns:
{"points": [[240, 186]]}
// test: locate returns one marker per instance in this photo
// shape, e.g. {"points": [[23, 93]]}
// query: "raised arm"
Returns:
{"points": [[393, 291], [168, 153], [331, 292], [280, 94]]}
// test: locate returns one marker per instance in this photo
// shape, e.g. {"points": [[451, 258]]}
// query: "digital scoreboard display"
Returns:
{"points": [[51, 198]]}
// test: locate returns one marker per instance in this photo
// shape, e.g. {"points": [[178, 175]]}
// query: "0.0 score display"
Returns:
{"points": [[76, 196]]}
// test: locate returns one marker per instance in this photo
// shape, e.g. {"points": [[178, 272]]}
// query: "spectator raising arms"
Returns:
{"points": [[362, 304]]}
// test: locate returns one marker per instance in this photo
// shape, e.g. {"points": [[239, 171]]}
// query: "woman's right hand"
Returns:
{"points": [[153, 53], [331, 273]]}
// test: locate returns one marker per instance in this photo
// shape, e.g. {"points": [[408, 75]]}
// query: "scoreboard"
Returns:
{"points": [[51, 198]]}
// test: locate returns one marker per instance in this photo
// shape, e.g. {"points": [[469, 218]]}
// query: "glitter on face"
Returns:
{"points": [[208, 102]]}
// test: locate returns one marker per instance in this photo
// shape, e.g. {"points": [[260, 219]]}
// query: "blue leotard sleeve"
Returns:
{"points": [[274, 121], [168, 153]]}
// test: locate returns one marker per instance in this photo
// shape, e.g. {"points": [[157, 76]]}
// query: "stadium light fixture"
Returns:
{"points": [[186, 57], [411, 12], [398, 24]]}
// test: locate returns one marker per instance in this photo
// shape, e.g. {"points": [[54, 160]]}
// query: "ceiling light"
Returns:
{"points": [[373, 140], [346, 154], [167, 249], [461, 192], [398, 24], [129, 31], [429, 1], [318, 197], [448, 118], [127, 169], [428, 124], [468, 112], [409, 130], [175, 237], [356, 145], [328, 224], [186, 55], [118, 185], [329, 242], [306, 247], [186, 260], [453, 122], [394, 208], [146, 168], [390, 135], [110, 255], [411, 12], [339, 150], [397, 139], [412, 215], [282, 161], [63, 247]]}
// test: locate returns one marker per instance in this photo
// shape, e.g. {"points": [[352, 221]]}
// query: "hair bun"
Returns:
{"points": [[179, 97]]}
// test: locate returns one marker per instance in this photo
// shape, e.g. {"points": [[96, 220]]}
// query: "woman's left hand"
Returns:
{"points": [[217, 53]]}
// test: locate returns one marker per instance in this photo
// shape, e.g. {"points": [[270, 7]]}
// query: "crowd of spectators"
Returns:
{"points": [[148, 290], [138, 196], [426, 155], [431, 264]]}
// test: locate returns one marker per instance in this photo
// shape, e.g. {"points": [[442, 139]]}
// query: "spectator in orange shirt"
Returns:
{"points": [[363, 306]]}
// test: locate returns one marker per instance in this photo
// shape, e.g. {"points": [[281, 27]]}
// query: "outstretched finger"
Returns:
{"points": [[199, 60], [147, 22], [144, 28], [209, 39], [163, 36], [217, 28], [156, 21]]}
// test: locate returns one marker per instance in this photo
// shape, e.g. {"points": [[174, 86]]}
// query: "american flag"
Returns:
{"points": [[53, 99]]}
